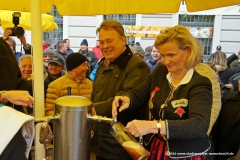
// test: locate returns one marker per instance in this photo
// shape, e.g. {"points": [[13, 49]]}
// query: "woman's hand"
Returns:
{"points": [[140, 127], [122, 102], [18, 97]]}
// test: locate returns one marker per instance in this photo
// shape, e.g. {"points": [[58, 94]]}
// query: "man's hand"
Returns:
{"points": [[7, 33]]}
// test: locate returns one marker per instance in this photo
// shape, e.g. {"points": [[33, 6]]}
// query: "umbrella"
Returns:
{"points": [[48, 23], [97, 7]]}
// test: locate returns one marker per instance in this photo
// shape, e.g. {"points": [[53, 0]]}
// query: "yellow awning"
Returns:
{"points": [[102, 7]]}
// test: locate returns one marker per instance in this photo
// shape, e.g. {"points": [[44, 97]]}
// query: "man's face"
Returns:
{"points": [[46, 58], [26, 68], [81, 71], [155, 54], [67, 43], [84, 47], [111, 43], [55, 69], [64, 48]]}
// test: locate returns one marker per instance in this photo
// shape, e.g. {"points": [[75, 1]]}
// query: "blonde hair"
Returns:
{"points": [[184, 40], [219, 58]]}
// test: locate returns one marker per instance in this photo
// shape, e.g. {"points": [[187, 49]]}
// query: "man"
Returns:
{"points": [[118, 72], [219, 49], [55, 69], [25, 65], [11, 42], [47, 54], [92, 59], [154, 58], [96, 50], [148, 51], [62, 52], [75, 77], [67, 42]]}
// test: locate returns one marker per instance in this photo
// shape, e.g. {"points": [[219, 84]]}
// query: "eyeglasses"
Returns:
{"points": [[169, 31]]}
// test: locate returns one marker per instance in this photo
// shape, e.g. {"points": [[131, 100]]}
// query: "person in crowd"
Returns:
{"points": [[47, 54], [148, 51], [11, 78], [67, 42], [118, 71], [13, 144], [11, 42], [46, 43], [25, 65], [139, 51], [96, 50], [154, 58], [62, 52], [229, 126], [55, 69], [75, 77], [179, 100], [218, 50], [221, 63], [137, 44], [91, 58], [234, 59]]}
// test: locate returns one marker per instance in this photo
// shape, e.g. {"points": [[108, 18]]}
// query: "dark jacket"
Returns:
{"points": [[125, 73], [229, 125], [186, 133], [92, 59]]}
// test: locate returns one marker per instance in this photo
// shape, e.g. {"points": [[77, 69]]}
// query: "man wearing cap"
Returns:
{"points": [[47, 54], [218, 50], [75, 77], [55, 69], [91, 58], [118, 72]]}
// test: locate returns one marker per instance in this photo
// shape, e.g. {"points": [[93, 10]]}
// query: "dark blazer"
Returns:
{"points": [[186, 133], [125, 73]]}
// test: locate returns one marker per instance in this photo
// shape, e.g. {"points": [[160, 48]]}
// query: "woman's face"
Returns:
{"points": [[174, 58]]}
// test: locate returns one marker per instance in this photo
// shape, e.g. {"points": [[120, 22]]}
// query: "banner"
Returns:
{"points": [[153, 31]]}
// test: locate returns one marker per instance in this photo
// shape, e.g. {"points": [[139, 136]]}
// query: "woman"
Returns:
{"points": [[220, 61], [180, 100]]}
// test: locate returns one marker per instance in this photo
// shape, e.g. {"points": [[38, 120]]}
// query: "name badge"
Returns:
{"points": [[179, 103]]}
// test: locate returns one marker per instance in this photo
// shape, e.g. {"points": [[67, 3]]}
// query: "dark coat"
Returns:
{"points": [[91, 58], [229, 125], [125, 73]]}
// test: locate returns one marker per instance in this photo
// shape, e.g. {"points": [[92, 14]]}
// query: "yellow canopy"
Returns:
{"points": [[99, 7], [48, 23]]}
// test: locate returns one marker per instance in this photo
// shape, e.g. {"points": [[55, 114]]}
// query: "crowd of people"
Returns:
{"points": [[164, 92]]}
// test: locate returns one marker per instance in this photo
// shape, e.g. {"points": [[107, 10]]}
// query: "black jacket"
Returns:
{"points": [[125, 73]]}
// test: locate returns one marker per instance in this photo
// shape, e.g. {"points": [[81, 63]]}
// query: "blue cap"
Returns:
{"points": [[219, 48]]}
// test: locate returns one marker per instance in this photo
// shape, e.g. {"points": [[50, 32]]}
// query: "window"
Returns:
{"points": [[199, 21], [124, 19]]}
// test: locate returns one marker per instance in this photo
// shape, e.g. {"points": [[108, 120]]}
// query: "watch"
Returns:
{"points": [[159, 126]]}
